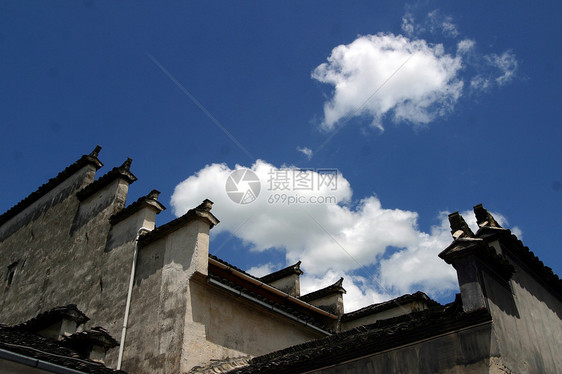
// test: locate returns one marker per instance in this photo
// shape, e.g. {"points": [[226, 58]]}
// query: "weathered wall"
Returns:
{"points": [[160, 299], [223, 325], [179, 321], [36, 238], [467, 351], [527, 321], [289, 284], [59, 243]]}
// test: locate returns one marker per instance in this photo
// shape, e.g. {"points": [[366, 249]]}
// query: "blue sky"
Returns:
{"points": [[423, 108]]}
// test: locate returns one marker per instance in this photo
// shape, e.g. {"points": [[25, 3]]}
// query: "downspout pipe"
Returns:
{"points": [[129, 295]]}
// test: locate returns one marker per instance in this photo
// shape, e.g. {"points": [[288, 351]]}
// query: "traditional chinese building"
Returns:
{"points": [[92, 284]]}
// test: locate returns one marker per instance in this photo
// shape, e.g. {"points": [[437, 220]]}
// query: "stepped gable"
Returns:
{"points": [[148, 200], [90, 159], [467, 243], [203, 210], [490, 229], [122, 171]]}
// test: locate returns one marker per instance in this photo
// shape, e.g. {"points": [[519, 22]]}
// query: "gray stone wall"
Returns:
{"points": [[59, 245], [527, 321]]}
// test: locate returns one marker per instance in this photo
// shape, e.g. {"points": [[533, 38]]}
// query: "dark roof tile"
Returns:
{"points": [[394, 303], [91, 159], [122, 172], [283, 273]]}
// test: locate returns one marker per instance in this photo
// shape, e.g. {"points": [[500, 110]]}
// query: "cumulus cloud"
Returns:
{"points": [[407, 78], [380, 251], [385, 73]]}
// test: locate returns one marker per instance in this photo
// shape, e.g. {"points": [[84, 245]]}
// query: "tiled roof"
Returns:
{"points": [[151, 199], [233, 267], [95, 336], [330, 290], [265, 293], [283, 273], [115, 173], [44, 351], [365, 340], [526, 257], [54, 315], [201, 211], [91, 159], [220, 366], [397, 302], [490, 230], [274, 303]]}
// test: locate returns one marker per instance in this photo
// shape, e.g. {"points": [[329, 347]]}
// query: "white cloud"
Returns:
{"points": [[434, 22], [408, 26], [305, 151], [332, 240], [507, 65], [465, 46], [497, 70], [479, 83], [437, 21], [407, 78], [417, 81]]}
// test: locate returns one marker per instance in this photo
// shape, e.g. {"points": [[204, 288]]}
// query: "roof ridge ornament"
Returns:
{"points": [[154, 194], [459, 227], [338, 283], [206, 205], [484, 218], [96, 151], [127, 164]]}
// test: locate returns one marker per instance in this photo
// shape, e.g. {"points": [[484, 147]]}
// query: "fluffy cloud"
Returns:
{"points": [[331, 239], [406, 78], [387, 73]]}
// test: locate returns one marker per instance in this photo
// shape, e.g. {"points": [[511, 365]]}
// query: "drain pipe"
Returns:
{"points": [[129, 294]]}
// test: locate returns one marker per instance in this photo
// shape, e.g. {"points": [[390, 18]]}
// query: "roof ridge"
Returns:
{"points": [[331, 289], [280, 274], [90, 159], [122, 171], [398, 301], [150, 199]]}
